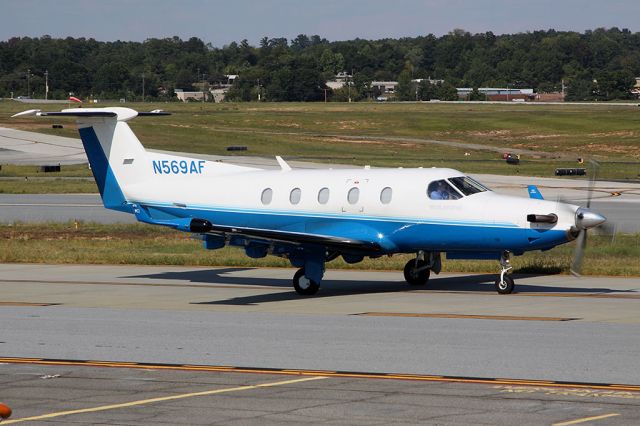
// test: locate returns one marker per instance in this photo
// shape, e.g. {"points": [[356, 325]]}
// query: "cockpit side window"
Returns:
{"points": [[441, 190], [468, 186]]}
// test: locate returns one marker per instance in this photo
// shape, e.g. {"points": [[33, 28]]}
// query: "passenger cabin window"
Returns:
{"points": [[385, 195], [353, 195], [294, 196], [267, 196], [441, 190], [323, 196], [468, 186]]}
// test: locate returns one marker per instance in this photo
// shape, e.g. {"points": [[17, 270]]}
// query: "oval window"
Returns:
{"points": [[353, 195], [267, 196], [323, 196], [294, 196], [385, 195]]}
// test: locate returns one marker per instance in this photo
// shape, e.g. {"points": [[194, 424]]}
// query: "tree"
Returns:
{"points": [[446, 92], [405, 90]]}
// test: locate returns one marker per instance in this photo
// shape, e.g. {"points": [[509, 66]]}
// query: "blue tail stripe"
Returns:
{"points": [[112, 196]]}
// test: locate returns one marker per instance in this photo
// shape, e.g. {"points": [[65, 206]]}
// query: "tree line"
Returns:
{"points": [[595, 65]]}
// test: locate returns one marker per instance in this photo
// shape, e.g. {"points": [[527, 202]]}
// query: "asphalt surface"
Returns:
{"points": [[555, 328]]}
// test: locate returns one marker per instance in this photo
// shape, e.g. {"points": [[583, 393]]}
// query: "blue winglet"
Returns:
{"points": [[534, 192]]}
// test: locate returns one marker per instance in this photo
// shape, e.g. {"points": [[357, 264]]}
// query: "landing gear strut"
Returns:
{"points": [[504, 282]]}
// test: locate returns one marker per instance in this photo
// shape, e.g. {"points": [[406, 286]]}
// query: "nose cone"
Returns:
{"points": [[586, 218]]}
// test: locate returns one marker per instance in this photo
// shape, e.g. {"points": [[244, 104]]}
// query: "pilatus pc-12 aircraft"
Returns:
{"points": [[313, 216]]}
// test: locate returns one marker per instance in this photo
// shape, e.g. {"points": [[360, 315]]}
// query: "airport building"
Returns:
{"points": [[498, 94]]}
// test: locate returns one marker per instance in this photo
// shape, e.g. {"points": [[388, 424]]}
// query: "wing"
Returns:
{"points": [[341, 243], [330, 236]]}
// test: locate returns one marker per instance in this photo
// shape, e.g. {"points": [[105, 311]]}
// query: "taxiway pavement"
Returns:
{"points": [[555, 328]]}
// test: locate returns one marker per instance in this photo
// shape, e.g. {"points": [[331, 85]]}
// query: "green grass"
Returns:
{"points": [[325, 133], [87, 243], [47, 186]]}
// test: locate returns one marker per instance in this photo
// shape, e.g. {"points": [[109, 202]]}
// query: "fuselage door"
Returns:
{"points": [[353, 195]]}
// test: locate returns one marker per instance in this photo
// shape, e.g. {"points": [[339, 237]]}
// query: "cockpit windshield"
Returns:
{"points": [[468, 186], [442, 190]]}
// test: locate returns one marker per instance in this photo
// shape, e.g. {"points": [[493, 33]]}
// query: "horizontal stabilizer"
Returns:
{"points": [[121, 114], [534, 192]]}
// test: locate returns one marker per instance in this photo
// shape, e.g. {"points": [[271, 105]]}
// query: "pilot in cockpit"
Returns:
{"points": [[439, 191]]}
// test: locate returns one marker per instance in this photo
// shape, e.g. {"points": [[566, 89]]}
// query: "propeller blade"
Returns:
{"points": [[578, 255]]}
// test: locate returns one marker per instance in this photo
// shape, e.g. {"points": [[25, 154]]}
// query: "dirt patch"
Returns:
{"points": [[619, 134], [368, 142]]}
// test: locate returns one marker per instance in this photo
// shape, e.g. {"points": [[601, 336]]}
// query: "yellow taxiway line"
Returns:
{"points": [[323, 373], [160, 399], [586, 419], [464, 316]]}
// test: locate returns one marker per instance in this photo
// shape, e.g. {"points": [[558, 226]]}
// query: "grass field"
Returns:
{"points": [[395, 134], [142, 244]]}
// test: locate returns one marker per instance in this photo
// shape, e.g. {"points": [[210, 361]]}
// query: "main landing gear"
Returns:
{"points": [[504, 282], [418, 270], [303, 285]]}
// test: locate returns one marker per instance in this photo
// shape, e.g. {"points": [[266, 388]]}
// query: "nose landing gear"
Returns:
{"points": [[504, 283]]}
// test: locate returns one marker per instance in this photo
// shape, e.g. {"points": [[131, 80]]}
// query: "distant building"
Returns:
{"points": [[433, 81], [186, 96], [498, 94], [384, 86], [636, 88], [217, 91], [339, 81]]}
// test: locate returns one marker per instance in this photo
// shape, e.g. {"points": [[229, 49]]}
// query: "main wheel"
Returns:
{"points": [[505, 286], [414, 273], [303, 285]]}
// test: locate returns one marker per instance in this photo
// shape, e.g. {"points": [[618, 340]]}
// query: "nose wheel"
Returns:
{"points": [[303, 285], [504, 283]]}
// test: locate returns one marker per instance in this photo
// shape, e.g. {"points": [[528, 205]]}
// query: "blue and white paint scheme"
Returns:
{"points": [[313, 216]]}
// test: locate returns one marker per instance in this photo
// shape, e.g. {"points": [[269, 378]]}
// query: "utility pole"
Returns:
{"points": [[46, 85], [142, 87], [203, 92]]}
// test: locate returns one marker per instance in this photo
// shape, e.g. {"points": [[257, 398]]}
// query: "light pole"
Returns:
{"points": [[46, 84], [142, 87], [203, 92], [28, 82]]}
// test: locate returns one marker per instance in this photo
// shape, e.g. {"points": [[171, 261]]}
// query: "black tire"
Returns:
{"points": [[304, 286], [414, 277], [507, 286]]}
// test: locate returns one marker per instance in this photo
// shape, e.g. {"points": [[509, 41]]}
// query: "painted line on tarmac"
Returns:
{"points": [[586, 419], [162, 399], [464, 316], [27, 304], [323, 373]]}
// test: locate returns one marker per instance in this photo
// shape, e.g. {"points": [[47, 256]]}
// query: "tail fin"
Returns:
{"points": [[113, 151], [125, 173]]}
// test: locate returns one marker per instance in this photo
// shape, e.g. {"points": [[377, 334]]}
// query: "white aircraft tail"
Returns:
{"points": [[118, 160]]}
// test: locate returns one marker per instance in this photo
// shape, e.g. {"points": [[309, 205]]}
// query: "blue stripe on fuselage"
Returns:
{"points": [[408, 236], [110, 191]]}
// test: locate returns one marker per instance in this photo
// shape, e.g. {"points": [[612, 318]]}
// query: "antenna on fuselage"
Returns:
{"points": [[283, 164]]}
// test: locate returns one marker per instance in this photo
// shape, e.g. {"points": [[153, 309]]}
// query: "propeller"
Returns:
{"points": [[585, 219]]}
